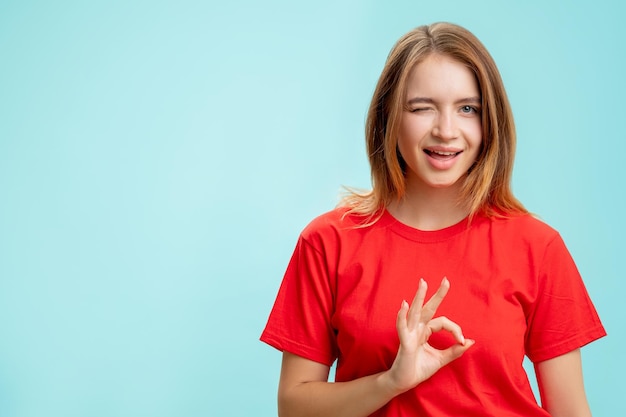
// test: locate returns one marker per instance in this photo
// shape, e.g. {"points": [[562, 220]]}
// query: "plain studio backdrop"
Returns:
{"points": [[158, 160]]}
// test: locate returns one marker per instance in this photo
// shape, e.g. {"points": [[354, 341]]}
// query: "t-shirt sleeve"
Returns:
{"points": [[300, 321], [563, 317]]}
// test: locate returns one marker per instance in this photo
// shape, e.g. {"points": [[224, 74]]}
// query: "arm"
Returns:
{"points": [[304, 389], [561, 386]]}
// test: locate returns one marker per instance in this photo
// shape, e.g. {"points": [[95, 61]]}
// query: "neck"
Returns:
{"points": [[427, 208]]}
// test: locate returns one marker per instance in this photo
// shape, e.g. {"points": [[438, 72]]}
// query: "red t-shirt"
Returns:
{"points": [[514, 289]]}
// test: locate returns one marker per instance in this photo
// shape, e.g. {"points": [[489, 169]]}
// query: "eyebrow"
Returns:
{"points": [[418, 100]]}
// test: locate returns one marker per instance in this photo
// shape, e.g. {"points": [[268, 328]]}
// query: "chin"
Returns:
{"points": [[444, 184]]}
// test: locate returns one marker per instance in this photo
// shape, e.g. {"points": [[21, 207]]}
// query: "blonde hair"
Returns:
{"points": [[487, 187]]}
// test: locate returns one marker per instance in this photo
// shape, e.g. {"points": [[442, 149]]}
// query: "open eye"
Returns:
{"points": [[469, 109]]}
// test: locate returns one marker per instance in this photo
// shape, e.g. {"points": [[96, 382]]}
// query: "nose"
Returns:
{"points": [[445, 126]]}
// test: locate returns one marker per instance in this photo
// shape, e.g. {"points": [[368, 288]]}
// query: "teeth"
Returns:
{"points": [[444, 153]]}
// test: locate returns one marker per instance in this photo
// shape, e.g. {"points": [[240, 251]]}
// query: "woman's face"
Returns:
{"points": [[440, 128]]}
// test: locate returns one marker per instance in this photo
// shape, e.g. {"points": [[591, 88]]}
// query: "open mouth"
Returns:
{"points": [[441, 155]]}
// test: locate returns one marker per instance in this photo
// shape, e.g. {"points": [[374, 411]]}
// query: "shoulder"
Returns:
{"points": [[333, 221], [524, 221], [337, 225], [525, 227], [526, 239]]}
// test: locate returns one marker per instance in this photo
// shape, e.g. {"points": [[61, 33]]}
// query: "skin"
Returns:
{"points": [[561, 386], [441, 117], [304, 391], [442, 114]]}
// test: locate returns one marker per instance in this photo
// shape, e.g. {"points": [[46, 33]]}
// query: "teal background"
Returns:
{"points": [[158, 160]]}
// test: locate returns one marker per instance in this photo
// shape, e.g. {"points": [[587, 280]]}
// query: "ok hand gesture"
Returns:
{"points": [[417, 360]]}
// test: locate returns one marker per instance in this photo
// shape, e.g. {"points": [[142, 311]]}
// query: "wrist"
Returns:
{"points": [[388, 384]]}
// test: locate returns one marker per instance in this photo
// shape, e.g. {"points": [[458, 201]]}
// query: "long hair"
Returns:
{"points": [[487, 187]]}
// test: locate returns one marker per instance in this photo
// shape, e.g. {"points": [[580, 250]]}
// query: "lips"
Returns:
{"points": [[442, 155]]}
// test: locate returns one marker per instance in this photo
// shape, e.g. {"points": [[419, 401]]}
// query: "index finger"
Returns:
{"points": [[430, 308]]}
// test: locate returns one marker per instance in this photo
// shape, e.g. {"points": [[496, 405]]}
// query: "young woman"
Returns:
{"points": [[440, 139]]}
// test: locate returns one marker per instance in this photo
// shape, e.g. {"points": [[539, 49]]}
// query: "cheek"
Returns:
{"points": [[478, 139], [413, 129], [477, 146], [474, 135]]}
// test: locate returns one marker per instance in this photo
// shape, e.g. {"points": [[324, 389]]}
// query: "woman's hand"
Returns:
{"points": [[304, 389], [417, 360]]}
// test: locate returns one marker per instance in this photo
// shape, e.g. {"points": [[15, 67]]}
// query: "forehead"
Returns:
{"points": [[439, 77]]}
